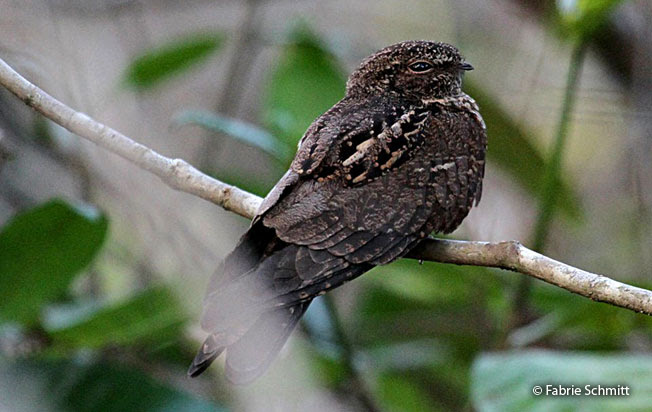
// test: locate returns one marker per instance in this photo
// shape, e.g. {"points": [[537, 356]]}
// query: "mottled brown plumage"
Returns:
{"points": [[400, 156]]}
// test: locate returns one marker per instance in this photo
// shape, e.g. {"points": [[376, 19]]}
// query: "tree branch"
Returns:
{"points": [[512, 255], [182, 176], [176, 173]]}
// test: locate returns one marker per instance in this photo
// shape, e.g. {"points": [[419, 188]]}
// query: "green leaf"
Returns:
{"points": [[108, 388], [306, 82], [512, 148], [41, 252], [151, 316], [239, 130], [582, 18], [505, 381], [71, 386], [157, 65]]}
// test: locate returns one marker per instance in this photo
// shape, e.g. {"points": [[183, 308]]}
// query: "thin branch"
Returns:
{"points": [[180, 175], [512, 255]]}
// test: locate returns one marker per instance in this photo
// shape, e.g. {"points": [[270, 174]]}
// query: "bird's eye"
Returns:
{"points": [[420, 67]]}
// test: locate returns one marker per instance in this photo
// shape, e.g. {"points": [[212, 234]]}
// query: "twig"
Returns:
{"points": [[180, 175], [512, 255]]}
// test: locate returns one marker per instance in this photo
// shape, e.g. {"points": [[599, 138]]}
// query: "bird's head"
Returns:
{"points": [[410, 70]]}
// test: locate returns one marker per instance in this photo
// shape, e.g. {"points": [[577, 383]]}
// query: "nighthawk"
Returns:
{"points": [[399, 157]]}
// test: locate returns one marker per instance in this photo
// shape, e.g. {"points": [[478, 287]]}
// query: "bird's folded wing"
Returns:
{"points": [[349, 196]]}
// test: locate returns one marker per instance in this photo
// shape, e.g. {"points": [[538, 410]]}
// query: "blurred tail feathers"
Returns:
{"points": [[250, 356], [208, 352], [240, 312], [265, 287]]}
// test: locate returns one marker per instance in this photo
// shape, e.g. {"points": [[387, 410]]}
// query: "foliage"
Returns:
{"points": [[238, 130], [155, 66], [306, 82], [552, 171], [512, 148], [580, 19], [41, 251], [67, 385], [152, 316]]}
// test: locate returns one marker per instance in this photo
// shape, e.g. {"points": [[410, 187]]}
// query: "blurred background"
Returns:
{"points": [[103, 267]]}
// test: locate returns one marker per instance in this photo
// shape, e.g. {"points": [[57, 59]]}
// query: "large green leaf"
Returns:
{"points": [[504, 381], [151, 316], [157, 65], [512, 148], [41, 252], [306, 82], [71, 386]]}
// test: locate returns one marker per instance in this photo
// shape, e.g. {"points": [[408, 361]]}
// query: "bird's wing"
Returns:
{"points": [[365, 188], [350, 195]]}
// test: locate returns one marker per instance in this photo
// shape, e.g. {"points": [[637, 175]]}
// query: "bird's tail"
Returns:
{"points": [[251, 335], [265, 288], [208, 352], [251, 354]]}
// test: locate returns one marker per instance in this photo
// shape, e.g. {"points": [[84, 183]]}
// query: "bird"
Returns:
{"points": [[401, 156]]}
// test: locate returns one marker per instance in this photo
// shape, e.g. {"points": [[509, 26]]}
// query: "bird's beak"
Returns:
{"points": [[466, 66]]}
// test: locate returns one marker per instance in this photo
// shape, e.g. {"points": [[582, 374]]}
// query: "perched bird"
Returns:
{"points": [[400, 156]]}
